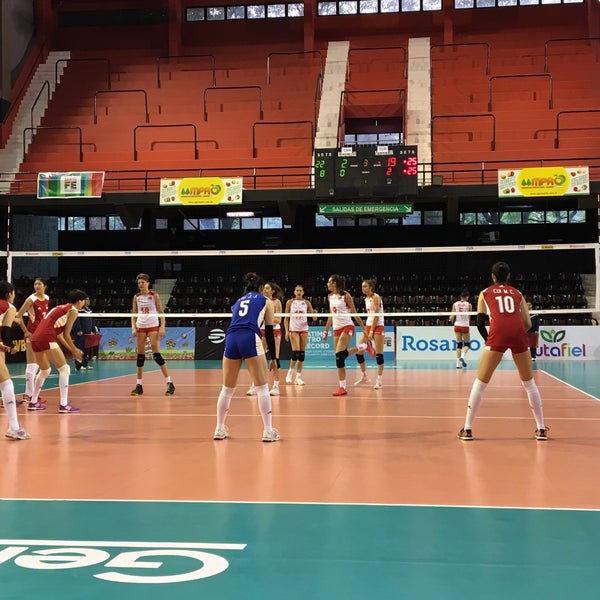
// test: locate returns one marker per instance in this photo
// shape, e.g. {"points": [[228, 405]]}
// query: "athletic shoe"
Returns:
{"points": [[170, 389], [17, 434], [137, 391], [36, 406], [68, 408], [221, 433], [340, 392], [299, 380], [270, 436], [378, 385], [465, 434], [88, 367], [370, 349], [251, 391], [362, 379], [274, 392], [463, 364], [27, 399], [458, 365], [289, 377], [541, 434]]}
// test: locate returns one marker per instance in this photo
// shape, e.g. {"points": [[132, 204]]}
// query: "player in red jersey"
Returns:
{"points": [[7, 316], [56, 327], [34, 308], [509, 322]]}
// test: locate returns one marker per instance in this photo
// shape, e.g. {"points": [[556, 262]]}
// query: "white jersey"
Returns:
{"points": [[298, 316], [146, 304], [461, 310], [340, 310], [370, 304]]}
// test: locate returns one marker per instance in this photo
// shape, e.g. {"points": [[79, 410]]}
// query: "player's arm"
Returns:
{"points": [[350, 305], [19, 316], [269, 335], [161, 312], [6, 333], [311, 310], [286, 320], [482, 316], [525, 316], [277, 309], [134, 309], [65, 337]]}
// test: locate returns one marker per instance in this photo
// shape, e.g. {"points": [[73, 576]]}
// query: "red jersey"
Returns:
{"points": [[53, 323], [506, 326], [37, 311], [4, 306]]}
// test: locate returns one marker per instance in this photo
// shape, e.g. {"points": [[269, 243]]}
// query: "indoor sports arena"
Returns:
{"points": [[299, 299]]}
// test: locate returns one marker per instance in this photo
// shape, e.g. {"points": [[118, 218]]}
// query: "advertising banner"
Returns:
{"points": [[438, 343], [200, 191], [70, 185], [117, 343], [543, 181]]}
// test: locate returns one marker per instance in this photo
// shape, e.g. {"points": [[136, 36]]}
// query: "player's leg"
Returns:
{"points": [[524, 366]]}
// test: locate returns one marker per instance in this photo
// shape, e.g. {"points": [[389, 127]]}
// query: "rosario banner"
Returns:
{"points": [[200, 190], [70, 185], [544, 181]]}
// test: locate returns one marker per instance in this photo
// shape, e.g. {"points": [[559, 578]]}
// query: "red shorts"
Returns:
{"points": [[501, 341], [147, 329], [379, 330], [276, 333], [349, 329], [43, 344], [461, 329], [299, 331]]}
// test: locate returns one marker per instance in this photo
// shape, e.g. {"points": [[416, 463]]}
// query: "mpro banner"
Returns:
{"points": [[544, 181], [200, 191]]}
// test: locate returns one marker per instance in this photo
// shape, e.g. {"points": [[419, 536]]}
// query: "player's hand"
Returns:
{"points": [[272, 365]]}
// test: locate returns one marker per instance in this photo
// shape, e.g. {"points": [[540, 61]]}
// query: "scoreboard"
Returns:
{"points": [[366, 172]]}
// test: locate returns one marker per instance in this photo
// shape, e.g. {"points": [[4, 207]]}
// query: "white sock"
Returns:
{"points": [[30, 373], [343, 383], [223, 403], [8, 397], [63, 384], [39, 382], [535, 401], [264, 405], [475, 399]]}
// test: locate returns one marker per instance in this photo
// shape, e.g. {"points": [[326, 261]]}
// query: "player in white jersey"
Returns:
{"points": [[148, 325], [296, 332], [462, 320], [341, 305], [374, 334]]}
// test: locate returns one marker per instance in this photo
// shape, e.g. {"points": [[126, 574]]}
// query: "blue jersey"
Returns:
{"points": [[248, 313]]}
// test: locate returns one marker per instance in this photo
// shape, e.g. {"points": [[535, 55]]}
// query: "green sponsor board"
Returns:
{"points": [[405, 208]]}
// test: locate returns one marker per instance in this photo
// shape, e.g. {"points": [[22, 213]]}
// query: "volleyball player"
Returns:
{"points": [[461, 319], [296, 332], [7, 316], [149, 325], [243, 343], [274, 293], [374, 335], [341, 305], [34, 308], [509, 322], [53, 329]]}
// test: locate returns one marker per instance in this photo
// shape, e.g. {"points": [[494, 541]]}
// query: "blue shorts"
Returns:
{"points": [[243, 344]]}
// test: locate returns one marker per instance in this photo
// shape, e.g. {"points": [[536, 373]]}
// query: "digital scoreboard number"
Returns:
{"points": [[366, 172]]}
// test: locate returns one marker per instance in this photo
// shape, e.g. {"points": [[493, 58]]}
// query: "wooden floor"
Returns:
{"points": [[397, 445], [371, 495]]}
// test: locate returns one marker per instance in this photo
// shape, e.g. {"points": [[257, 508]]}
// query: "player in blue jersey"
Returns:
{"points": [[251, 313]]}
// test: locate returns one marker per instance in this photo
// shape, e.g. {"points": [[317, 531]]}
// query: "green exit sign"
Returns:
{"points": [[338, 210]]}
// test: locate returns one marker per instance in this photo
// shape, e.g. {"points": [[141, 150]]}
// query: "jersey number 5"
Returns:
{"points": [[243, 308]]}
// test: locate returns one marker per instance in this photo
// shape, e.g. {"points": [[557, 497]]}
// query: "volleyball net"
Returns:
{"points": [[418, 287], [559, 279]]}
